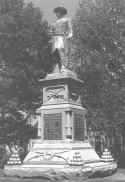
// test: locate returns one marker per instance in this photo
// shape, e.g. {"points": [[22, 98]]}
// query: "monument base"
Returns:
{"points": [[60, 160], [61, 153]]}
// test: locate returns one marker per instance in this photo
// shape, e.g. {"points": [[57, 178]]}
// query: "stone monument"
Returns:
{"points": [[61, 147]]}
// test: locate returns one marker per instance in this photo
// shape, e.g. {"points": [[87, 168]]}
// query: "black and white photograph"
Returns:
{"points": [[62, 90]]}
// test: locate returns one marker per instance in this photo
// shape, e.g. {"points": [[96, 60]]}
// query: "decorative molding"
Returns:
{"points": [[55, 94]]}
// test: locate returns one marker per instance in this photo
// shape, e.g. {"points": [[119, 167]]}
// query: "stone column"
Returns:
{"points": [[69, 124], [85, 128]]}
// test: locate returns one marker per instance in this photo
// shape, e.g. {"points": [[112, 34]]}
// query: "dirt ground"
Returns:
{"points": [[118, 177]]}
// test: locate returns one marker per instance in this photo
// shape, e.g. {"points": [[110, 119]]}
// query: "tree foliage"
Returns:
{"points": [[99, 39], [24, 57]]}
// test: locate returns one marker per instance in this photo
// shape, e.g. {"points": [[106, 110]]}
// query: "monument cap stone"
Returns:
{"points": [[61, 77]]}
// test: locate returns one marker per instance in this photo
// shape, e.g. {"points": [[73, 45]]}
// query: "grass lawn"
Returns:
{"points": [[118, 177]]}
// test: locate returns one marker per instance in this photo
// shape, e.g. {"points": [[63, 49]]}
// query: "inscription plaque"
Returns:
{"points": [[53, 126], [78, 127]]}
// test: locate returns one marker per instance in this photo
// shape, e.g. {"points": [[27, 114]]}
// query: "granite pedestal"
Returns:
{"points": [[62, 147]]}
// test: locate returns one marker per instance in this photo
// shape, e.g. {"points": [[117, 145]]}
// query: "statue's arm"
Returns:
{"points": [[69, 33]]}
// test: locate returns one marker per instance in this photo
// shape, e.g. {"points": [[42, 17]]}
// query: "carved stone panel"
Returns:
{"points": [[74, 95], [53, 126], [55, 94], [78, 127]]}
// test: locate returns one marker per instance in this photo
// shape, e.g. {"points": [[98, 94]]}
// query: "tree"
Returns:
{"points": [[25, 56], [99, 47]]}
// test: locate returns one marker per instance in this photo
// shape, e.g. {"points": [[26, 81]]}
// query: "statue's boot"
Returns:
{"points": [[64, 62]]}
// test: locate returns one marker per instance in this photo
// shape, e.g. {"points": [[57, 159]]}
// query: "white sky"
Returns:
{"points": [[47, 7]]}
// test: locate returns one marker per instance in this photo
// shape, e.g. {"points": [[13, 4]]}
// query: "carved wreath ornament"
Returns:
{"points": [[55, 93]]}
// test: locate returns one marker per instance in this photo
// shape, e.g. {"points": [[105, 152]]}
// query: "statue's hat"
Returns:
{"points": [[61, 10]]}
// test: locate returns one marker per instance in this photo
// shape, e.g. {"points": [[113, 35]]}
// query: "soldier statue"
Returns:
{"points": [[61, 36]]}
